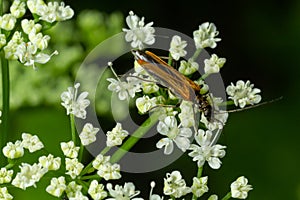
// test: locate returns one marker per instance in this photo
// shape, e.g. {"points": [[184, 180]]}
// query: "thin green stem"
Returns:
{"points": [[81, 149], [196, 54], [170, 60], [134, 138], [199, 174], [90, 177], [5, 101], [73, 128], [226, 103], [105, 150], [227, 196], [87, 169], [204, 76]]}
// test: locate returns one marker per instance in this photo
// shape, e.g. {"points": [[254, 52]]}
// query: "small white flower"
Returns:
{"points": [[205, 36], [214, 64], [97, 191], [149, 87], [88, 134], [218, 121], [64, 12], [74, 104], [18, 8], [177, 47], [79, 196], [116, 136], [57, 186], [51, 12], [109, 171], [5, 175], [165, 111], [124, 89], [205, 152], [29, 26], [4, 194], [213, 197], [39, 40], [144, 103], [27, 53], [138, 33], [240, 188], [100, 160], [50, 162], [154, 196], [204, 88], [219, 117], [119, 192], [11, 48], [69, 149], [2, 43], [7, 22], [31, 142], [175, 185], [29, 175], [180, 136], [199, 186], [72, 189], [188, 67], [186, 115], [35, 5], [13, 150], [243, 93], [73, 167]]}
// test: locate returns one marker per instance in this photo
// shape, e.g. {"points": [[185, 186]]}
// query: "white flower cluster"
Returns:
{"points": [[105, 169], [88, 134], [116, 136], [138, 33], [75, 104], [240, 188], [205, 36], [204, 151], [29, 175], [243, 93], [174, 185], [120, 192], [27, 44], [16, 150], [51, 12]]}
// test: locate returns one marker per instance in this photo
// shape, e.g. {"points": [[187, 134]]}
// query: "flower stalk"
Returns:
{"points": [[227, 196], [134, 138]]}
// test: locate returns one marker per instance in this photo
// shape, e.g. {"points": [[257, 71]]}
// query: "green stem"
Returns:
{"points": [[199, 174], [5, 101], [227, 196], [80, 152], [204, 76], [73, 128], [170, 60], [226, 103], [90, 177], [196, 54], [134, 138], [105, 150], [87, 169]]}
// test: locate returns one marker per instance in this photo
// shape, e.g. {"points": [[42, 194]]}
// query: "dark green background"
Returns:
{"points": [[261, 41]]}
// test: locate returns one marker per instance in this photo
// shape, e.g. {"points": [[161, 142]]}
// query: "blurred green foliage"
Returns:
{"points": [[73, 39]]}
